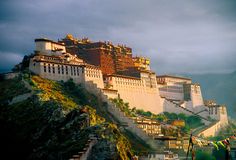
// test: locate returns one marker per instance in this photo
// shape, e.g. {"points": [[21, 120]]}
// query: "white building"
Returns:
{"points": [[49, 47], [180, 95], [52, 62], [217, 112], [141, 93], [60, 65], [182, 91], [148, 92]]}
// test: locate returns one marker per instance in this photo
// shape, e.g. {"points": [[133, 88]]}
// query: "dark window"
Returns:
{"points": [[53, 68], [66, 69], [71, 70], [77, 70], [49, 68], [44, 67], [59, 69], [62, 69]]}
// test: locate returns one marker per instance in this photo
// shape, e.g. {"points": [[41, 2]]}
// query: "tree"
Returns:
{"points": [[182, 116]]}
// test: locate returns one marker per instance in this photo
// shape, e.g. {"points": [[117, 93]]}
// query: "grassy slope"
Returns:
{"points": [[138, 145], [51, 125], [11, 88]]}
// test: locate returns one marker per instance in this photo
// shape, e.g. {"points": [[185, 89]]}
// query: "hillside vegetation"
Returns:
{"points": [[56, 123]]}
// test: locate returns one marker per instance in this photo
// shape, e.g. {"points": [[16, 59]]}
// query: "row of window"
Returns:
{"points": [[92, 73], [136, 83], [128, 83], [50, 58], [171, 90], [150, 126], [64, 69], [211, 110], [61, 69]]}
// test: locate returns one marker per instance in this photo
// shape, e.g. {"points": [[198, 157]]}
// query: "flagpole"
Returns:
{"points": [[190, 142]]}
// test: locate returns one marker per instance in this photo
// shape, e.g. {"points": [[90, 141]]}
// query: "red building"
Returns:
{"points": [[112, 59]]}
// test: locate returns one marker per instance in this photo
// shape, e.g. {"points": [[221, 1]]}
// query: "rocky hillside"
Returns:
{"points": [[55, 121], [220, 87]]}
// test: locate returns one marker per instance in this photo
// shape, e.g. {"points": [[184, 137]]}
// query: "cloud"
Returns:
{"points": [[8, 60], [178, 36]]}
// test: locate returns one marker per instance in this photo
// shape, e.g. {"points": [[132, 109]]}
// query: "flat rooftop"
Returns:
{"points": [[173, 76]]}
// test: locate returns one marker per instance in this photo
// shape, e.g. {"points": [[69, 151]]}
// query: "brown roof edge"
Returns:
{"points": [[171, 76], [106, 89], [122, 76], [47, 40]]}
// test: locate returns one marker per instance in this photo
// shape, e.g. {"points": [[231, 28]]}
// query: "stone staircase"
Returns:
{"points": [[185, 110], [120, 116], [83, 155], [209, 124], [199, 130]]}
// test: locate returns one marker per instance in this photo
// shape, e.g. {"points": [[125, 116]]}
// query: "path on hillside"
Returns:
{"points": [[118, 117], [23, 97], [191, 112]]}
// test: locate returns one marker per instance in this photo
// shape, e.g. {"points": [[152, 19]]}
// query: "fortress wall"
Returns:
{"points": [[140, 93], [131, 125], [131, 91], [203, 111], [218, 112], [213, 130], [34, 67], [187, 104], [94, 75], [141, 99], [110, 93], [196, 95], [214, 112], [171, 95], [49, 47], [172, 80], [53, 74], [79, 74], [170, 107], [223, 116]]}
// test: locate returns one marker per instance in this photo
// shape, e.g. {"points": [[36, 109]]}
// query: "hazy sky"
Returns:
{"points": [[180, 36]]}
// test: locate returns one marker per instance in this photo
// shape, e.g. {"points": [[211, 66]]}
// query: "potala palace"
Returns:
{"points": [[111, 71]]}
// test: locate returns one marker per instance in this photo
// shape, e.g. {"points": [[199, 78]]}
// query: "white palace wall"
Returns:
{"points": [[79, 73], [136, 93], [196, 95], [49, 47], [52, 62], [173, 92]]}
